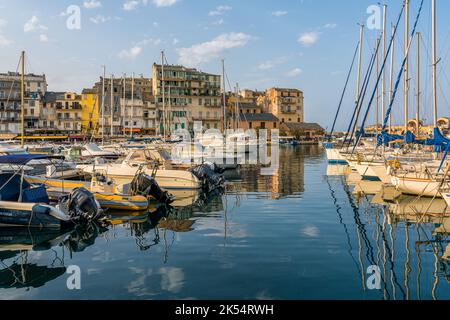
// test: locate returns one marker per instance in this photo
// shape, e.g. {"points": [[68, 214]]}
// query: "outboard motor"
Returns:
{"points": [[210, 179], [146, 186], [81, 206], [214, 167]]}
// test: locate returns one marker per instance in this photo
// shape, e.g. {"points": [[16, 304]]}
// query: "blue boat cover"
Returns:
{"points": [[23, 159]]}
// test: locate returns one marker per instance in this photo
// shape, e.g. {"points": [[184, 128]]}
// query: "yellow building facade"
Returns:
{"points": [[90, 107]]}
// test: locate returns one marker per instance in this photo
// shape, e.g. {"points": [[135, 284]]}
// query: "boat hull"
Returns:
{"points": [[13, 214], [335, 157], [57, 188], [417, 186]]}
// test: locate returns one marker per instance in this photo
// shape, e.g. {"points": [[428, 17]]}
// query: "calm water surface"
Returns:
{"points": [[301, 234]]}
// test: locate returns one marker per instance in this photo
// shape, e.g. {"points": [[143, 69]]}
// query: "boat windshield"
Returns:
{"points": [[93, 147]]}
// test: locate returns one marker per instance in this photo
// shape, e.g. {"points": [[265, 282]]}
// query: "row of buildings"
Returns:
{"points": [[179, 98]]}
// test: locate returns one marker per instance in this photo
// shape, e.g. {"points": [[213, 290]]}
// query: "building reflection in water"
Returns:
{"points": [[289, 179], [406, 237]]}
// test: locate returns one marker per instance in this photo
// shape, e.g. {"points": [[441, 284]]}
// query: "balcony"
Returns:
{"points": [[288, 110]]}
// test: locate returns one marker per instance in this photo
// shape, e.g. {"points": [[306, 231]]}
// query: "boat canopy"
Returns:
{"points": [[22, 159]]}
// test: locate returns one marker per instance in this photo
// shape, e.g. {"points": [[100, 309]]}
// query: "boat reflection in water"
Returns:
{"points": [[19, 246], [407, 237], [18, 271]]}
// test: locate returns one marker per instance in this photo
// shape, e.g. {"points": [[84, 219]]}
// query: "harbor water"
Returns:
{"points": [[307, 232]]}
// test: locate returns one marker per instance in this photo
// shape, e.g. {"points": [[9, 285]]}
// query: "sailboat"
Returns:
{"points": [[426, 178]]}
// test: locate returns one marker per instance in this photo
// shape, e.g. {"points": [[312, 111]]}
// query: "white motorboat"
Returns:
{"points": [[91, 150], [139, 159]]}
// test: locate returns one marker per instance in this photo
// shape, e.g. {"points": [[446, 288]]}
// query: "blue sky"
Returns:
{"points": [[306, 44]]}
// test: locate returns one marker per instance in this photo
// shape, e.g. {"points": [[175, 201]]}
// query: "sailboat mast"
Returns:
{"points": [[391, 76], [377, 109], [132, 106], [418, 86], [358, 80], [383, 74], [163, 95], [22, 97], [406, 79], [112, 106], [103, 104], [224, 120], [124, 102], [433, 9]]}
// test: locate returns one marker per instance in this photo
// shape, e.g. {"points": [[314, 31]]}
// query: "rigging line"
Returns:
{"points": [[397, 83], [345, 89], [379, 76], [357, 103], [362, 97], [427, 72]]}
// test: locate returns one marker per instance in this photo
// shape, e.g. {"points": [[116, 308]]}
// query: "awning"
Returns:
{"points": [[22, 159], [131, 130], [7, 136], [77, 136], [43, 137]]}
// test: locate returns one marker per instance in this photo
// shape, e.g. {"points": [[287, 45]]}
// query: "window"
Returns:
{"points": [[298, 120], [263, 125], [274, 125], [250, 125]]}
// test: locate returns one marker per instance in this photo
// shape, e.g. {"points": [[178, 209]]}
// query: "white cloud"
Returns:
{"points": [[130, 5], [4, 42], [270, 64], [33, 25], [131, 53], [220, 10], [175, 41], [218, 22], [91, 4], [164, 3], [279, 13], [295, 72], [308, 39], [99, 19], [150, 41], [330, 26], [207, 51], [155, 24], [43, 38]]}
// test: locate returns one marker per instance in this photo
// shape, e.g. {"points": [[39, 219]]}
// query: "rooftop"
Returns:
{"points": [[303, 126], [258, 117]]}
